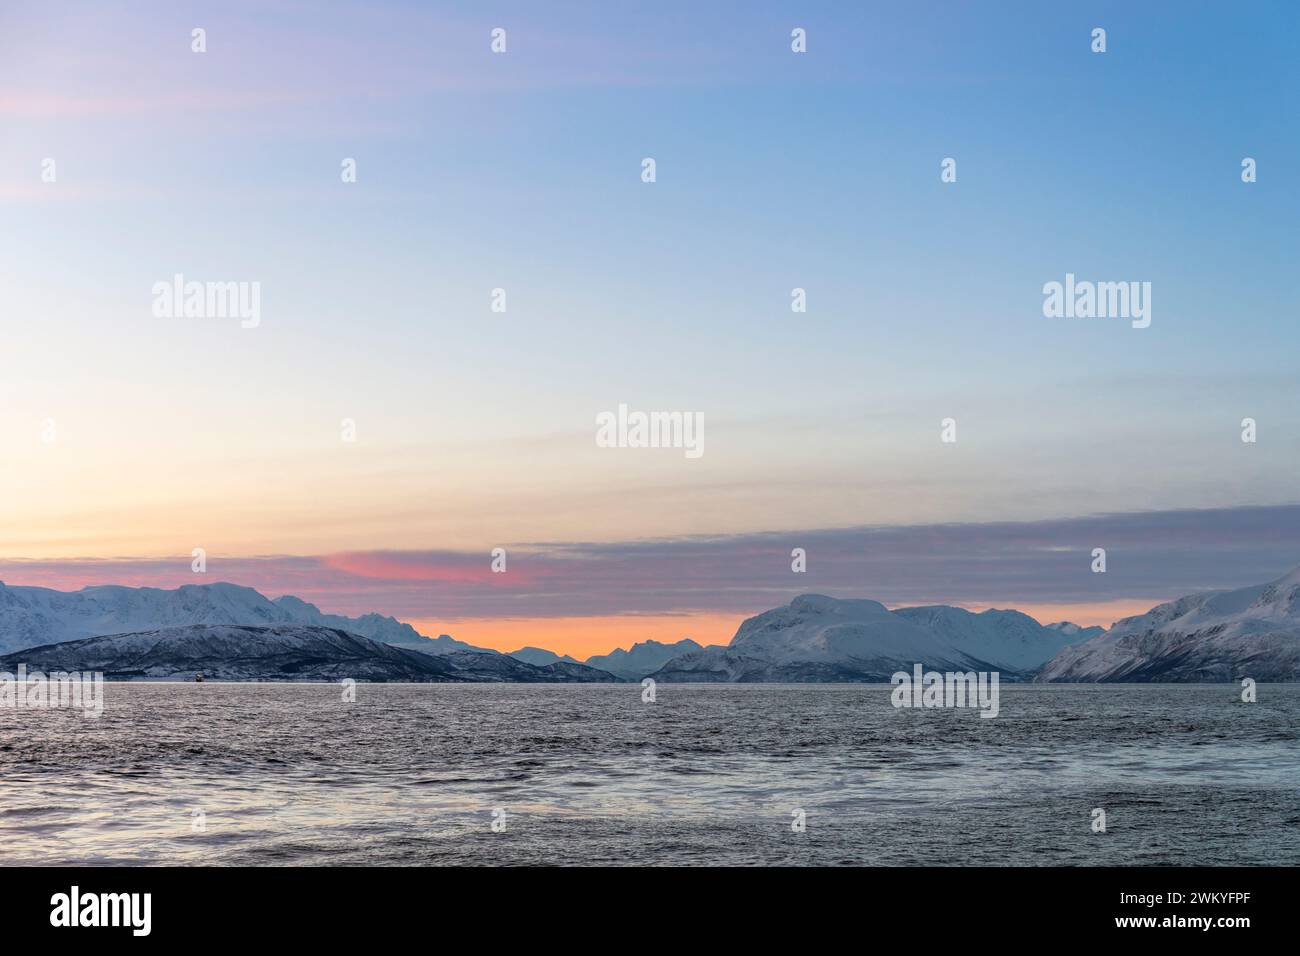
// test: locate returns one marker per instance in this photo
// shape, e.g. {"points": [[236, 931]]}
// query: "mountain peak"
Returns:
{"points": [[540, 656], [813, 601], [1209, 636], [823, 604], [642, 658], [1290, 579], [288, 600]]}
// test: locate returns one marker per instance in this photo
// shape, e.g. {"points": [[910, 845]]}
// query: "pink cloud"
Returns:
{"points": [[424, 567]]}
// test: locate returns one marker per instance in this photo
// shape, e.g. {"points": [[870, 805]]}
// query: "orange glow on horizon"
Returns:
{"points": [[581, 637]]}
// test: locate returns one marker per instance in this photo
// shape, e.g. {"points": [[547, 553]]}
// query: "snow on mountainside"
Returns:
{"points": [[442, 644], [642, 658], [279, 652], [1074, 631], [31, 616], [1221, 635], [377, 627], [540, 657], [1013, 639], [818, 638]]}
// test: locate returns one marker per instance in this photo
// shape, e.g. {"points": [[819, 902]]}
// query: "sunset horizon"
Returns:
{"points": [[603, 595]]}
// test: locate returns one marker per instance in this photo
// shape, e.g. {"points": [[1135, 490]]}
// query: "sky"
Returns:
{"points": [[127, 439]]}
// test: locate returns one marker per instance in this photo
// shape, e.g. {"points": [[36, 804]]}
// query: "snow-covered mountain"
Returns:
{"points": [[279, 652], [818, 638], [32, 616], [642, 658], [1221, 635], [540, 656], [442, 644], [377, 627], [1013, 640], [1074, 631]]}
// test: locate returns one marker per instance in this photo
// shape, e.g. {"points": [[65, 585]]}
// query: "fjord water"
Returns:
{"points": [[589, 774]]}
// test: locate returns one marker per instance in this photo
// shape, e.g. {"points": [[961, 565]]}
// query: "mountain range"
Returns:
{"points": [[638, 661], [280, 652], [822, 639], [235, 633], [1221, 635], [30, 616]]}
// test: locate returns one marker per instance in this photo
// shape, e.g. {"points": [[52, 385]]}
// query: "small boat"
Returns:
{"points": [[198, 678]]}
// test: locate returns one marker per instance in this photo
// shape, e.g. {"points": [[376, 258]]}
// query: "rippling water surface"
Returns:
{"points": [[411, 774]]}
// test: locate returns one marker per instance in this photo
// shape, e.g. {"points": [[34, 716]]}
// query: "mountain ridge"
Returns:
{"points": [[817, 638], [642, 658], [1211, 635], [1252, 631], [34, 616], [280, 652]]}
